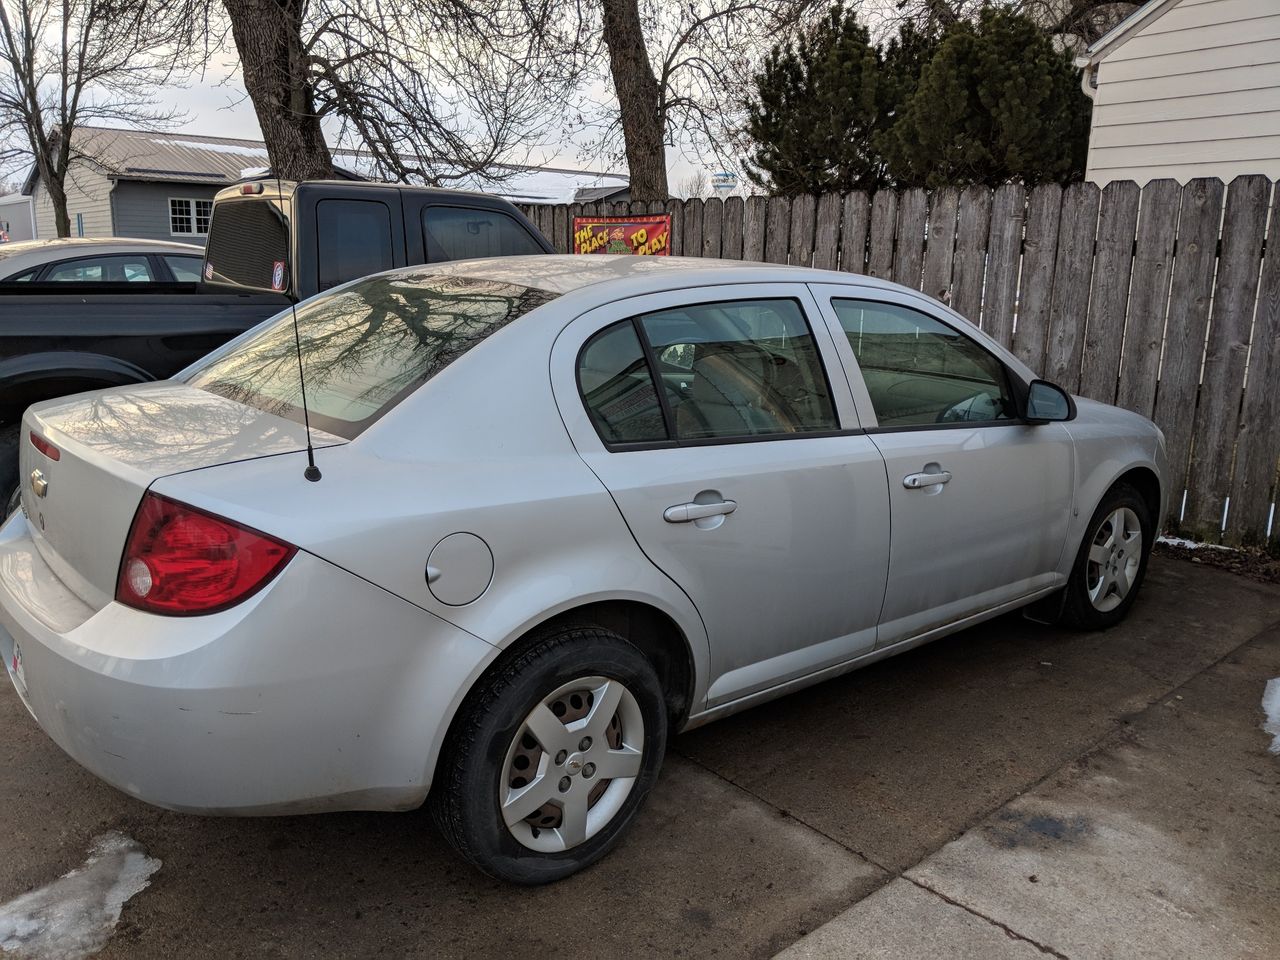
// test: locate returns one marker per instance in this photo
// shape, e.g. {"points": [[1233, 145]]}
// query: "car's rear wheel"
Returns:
{"points": [[1112, 561], [551, 756]]}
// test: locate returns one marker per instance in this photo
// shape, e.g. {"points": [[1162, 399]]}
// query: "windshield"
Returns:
{"points": [[364, 348]]}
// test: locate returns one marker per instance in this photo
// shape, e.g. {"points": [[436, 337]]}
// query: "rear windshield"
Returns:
{"points": [[246, 239], [364, 348]]}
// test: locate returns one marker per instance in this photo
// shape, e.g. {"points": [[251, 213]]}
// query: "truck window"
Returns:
{"points": [[353, 239], [246, 239], [461, 233]]}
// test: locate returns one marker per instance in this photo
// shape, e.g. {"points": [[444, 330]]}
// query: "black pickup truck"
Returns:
{"points": [[269, 241]]}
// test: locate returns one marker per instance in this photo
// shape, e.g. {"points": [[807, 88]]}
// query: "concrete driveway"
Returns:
{"points": [[1012, 791]]}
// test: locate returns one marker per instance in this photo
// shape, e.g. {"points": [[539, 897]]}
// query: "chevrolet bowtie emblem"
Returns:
{"points": [[39, 485]]}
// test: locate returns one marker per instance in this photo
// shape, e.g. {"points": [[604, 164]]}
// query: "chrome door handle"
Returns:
{"points": [[688, 512], [914, 481]]}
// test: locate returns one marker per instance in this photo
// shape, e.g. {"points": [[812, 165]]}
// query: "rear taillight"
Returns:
{"points": [[45, 447], [182, 561]]}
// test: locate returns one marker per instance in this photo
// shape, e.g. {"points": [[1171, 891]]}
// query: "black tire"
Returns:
{"points": [[9, 468], [465, 798], [1078, 610]]}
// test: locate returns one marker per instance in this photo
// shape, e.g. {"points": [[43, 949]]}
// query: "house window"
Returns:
{"points": [[189, 218]]}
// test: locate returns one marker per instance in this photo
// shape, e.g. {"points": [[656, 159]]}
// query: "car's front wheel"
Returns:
{"points": [[1112, 561], [551, 756]]}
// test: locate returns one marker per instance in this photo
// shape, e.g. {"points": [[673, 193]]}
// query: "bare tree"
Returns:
{"points": [[65, 64], [681, 72], [429, 90], [695, 184], [1078, 22]]}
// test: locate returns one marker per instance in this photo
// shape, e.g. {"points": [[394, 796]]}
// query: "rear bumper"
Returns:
{"points": [[321, 692]]}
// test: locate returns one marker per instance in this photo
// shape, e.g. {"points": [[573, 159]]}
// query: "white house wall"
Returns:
{"points": [[88, 194], [1194, 93]]}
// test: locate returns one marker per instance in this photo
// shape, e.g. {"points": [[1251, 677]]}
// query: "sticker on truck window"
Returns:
{"points": [[208, 270], [277, 275]]}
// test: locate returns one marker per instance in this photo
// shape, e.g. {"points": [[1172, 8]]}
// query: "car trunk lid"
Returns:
{"points": [[103, 450]]}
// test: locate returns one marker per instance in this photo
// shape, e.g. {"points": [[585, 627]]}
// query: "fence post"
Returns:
{"points": [[1004, 257], [974, 222], [1039, 254], [1109, 297]]}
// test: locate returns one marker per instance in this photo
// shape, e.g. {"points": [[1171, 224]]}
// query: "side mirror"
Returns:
{"points": [[1049, 403]]}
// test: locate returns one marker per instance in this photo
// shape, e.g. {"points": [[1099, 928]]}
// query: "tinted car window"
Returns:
{"points": [[745, 368], [459, 233], [617, 385], [920, 371], [246, 239], [184, 269], [118, 269], [353, 239], [365, 348]]}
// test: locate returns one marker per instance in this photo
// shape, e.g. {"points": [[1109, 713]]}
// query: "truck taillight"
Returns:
{"points": [[182, 561]]}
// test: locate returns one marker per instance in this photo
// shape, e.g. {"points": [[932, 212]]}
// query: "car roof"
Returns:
{"points": [[629, 276], [24, 254], [565, 273]]}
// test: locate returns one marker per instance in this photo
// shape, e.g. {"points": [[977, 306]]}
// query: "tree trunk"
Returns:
{"points": [[61, 218], [639, 100], [268, 35]]}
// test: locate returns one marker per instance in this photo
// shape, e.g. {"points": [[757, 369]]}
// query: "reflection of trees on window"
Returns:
{"points": [[365, 348]]}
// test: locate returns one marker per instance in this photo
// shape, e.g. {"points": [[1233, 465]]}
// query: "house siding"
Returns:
{"points": [[88, 194], [1195, 92], [142, 209]]}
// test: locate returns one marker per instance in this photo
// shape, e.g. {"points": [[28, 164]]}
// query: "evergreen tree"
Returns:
{"points": [[820, 104], [996, 102]]}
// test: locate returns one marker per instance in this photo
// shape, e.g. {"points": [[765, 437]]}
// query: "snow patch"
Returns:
{"points": [[1271, 707], [75, 915], [237, 150], [1190, 544]]}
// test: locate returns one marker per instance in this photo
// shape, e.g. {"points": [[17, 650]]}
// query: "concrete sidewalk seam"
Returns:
{"points": [[1008, 930], [889, 874]]}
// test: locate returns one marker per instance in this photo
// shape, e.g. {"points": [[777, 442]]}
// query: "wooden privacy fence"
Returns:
{"points": [[1160, 299]]}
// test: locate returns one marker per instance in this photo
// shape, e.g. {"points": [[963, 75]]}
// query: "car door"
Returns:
{"points": [[740, 468], [980, 500]]}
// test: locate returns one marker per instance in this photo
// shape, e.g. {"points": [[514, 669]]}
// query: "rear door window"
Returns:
{"points": [[365, 348], [463, 233], [618, 388], [353, 240], [738, 369]]}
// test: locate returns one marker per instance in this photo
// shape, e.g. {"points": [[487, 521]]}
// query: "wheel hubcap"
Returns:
{"points": [[572, 764], [1115, 554]]}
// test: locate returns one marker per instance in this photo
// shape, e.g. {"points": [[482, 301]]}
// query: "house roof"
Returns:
{"points": [[1122, 31], [153, 156]]}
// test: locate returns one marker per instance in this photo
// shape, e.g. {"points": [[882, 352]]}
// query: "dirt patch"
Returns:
{"points": [[1251, 562]]}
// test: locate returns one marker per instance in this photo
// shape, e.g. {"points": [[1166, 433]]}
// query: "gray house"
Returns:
{"points": [[160, 186]]}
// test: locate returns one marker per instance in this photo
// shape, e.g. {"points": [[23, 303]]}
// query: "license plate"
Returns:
{"points": [[15, 667]]}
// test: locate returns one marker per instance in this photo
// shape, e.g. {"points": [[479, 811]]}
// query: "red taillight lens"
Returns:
{"points": [[45, 447], [181, 561]]}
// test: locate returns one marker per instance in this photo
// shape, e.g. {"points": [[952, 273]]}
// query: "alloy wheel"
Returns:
{"points": [[572, 764], [1115, 555]]}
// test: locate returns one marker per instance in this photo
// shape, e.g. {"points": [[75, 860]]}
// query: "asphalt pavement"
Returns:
{"points": [[1012, 791]]}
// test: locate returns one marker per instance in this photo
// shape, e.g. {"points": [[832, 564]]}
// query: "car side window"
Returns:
{"points": [[462, 233], [353, 239], [117, 269], [185, 269], [920, 371], [617, 385]]}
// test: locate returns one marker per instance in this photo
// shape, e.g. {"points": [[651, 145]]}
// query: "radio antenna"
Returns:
{"points": [[312, 472]]}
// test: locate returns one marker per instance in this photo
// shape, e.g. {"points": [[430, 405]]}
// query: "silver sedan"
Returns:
{"points": [[562, 508]]}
